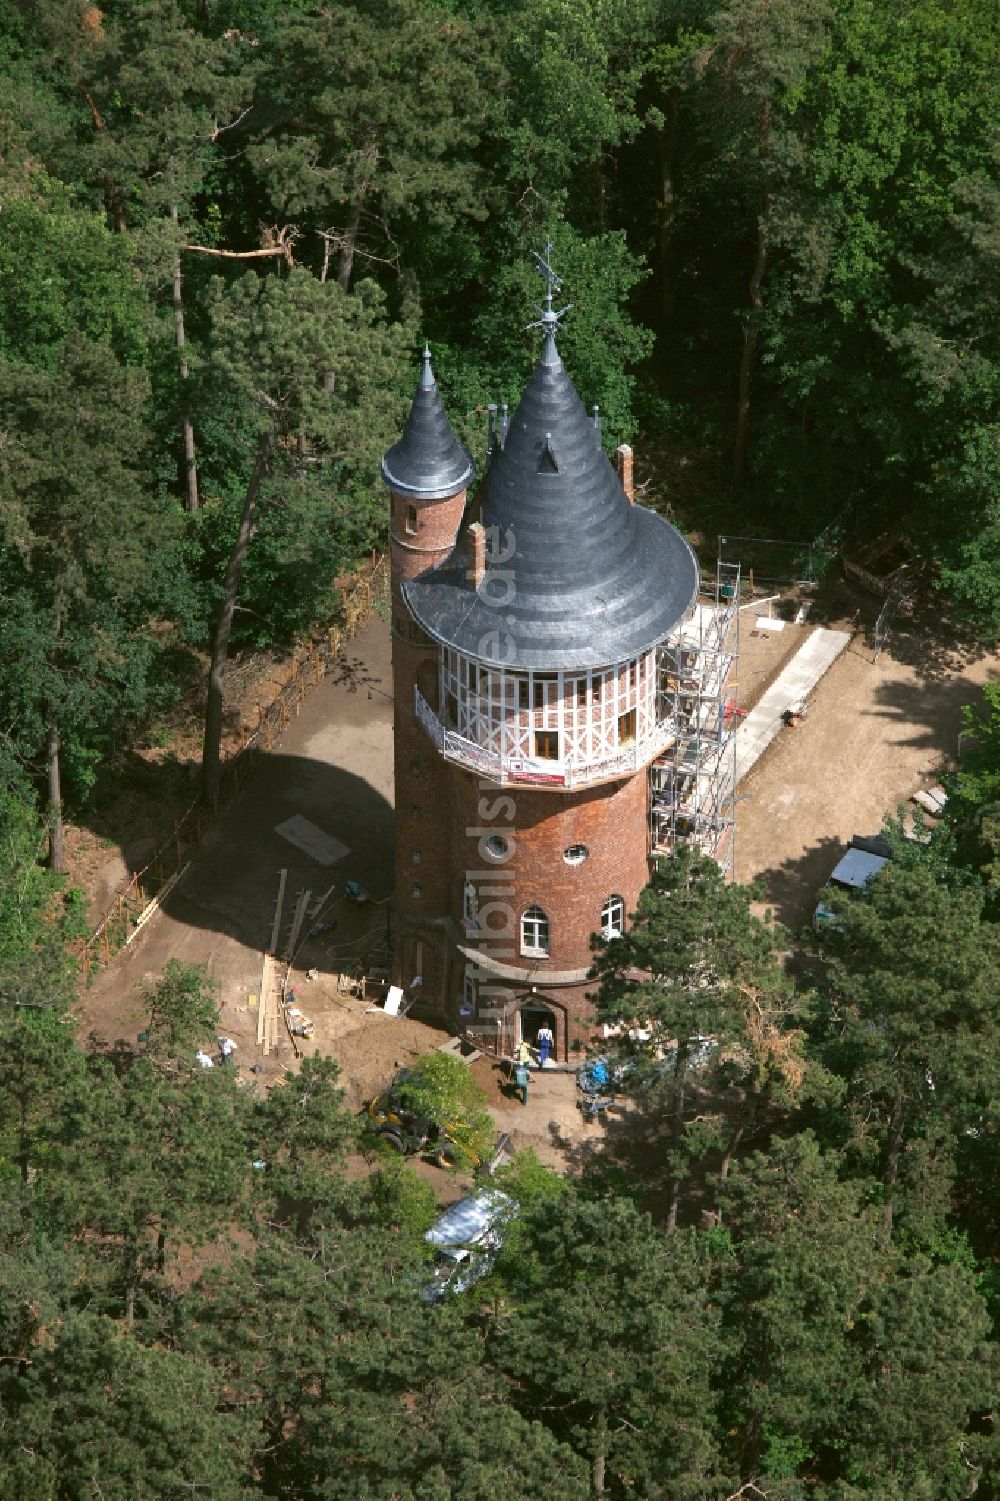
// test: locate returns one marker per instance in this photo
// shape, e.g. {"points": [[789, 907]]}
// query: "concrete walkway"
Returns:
{"points": [[792, 686]]}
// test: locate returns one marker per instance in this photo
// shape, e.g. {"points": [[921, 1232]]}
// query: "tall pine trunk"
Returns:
{"points": [[668, 206], [57, 833], [211, 761], [599, 1466], [751, 328], [600, 188], [677, 1129], [894, 1147], [751, 336], [347, 247], [190, 461]]}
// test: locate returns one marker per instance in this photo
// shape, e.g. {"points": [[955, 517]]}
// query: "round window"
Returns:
{"points": [[576, 854], [497, 847]]}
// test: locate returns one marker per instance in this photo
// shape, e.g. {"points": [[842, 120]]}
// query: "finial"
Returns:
{"points": [[427, 374], [549, 320]]}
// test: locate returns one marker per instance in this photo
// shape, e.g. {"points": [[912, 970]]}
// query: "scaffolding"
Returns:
{"points": [[692, 792]]}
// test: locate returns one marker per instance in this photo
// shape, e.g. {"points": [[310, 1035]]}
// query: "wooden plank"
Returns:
{"points": [[297, 921], [318, 906], [266, 986], [155, 904], [276, 928]]}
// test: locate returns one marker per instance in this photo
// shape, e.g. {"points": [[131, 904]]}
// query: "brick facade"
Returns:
{"points": [[609, 821], [422, 535], [474, 855]]}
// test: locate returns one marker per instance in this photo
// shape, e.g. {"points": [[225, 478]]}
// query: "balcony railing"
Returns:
{"points": [[519, 769], [428, 718]]}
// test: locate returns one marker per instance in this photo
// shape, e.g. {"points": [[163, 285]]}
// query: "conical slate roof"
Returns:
{"points": [[583, 578], [428, 462]]}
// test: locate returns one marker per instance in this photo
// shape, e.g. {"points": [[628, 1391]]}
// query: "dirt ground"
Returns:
{"points": [[332, 765], [874, 734]]}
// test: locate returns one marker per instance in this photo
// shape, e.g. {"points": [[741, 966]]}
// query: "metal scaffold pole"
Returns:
{"points": [[693, 784]]}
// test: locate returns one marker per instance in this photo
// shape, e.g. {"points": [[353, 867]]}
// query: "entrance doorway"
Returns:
{"points": [[532, 1017]]}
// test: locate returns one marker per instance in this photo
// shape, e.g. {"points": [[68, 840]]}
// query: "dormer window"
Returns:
{"points": [[547, 464]]}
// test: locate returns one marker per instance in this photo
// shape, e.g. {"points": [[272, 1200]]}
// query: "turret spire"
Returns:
{"points": [[428, 462], [550, 316]]}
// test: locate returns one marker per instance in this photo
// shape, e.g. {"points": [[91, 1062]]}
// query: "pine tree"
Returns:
{"points": [[365, 121], [80, 585], [613, 1343], [675, 972], [914, 1007], [312, 378]]}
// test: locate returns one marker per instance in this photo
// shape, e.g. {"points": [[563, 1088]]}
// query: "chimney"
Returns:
{"points": [[476, 552], [623, 460]]}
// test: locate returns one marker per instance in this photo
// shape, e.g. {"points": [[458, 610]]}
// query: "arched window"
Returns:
{"points": [[613, 917], [534, 931]]}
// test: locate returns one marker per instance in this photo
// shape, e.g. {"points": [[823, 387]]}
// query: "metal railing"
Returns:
{"points": [[506, 768]]}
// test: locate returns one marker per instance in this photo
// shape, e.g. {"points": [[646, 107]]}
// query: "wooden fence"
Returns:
{"points": [[140, 896]]}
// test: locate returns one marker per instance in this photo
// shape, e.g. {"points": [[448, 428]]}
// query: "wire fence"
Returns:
{"points": [[765, 561], [883, 625], [140, 895]]}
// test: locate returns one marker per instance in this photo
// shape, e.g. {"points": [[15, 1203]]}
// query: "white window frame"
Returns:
{"points": [[470, 905], [613, 917], [536, 933]]}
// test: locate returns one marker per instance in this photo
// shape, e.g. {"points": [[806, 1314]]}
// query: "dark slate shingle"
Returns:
{"points": [[428, 462], [592, 581]]}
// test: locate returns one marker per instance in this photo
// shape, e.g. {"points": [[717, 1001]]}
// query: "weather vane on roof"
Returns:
{"points": [[549, 319]]}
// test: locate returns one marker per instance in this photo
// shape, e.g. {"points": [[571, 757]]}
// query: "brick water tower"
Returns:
{"points": [[529, 627]]}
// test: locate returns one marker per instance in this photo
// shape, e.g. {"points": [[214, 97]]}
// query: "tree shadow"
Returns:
{"points": [[626, 1152], [929, 638], [354, 674], [930, 710], [791, 888]]}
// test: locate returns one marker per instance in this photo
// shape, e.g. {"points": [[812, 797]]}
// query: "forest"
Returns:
{"points": [[226, 229]]}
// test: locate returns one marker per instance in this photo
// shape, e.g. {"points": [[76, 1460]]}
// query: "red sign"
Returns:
{"points": [[541, 778]]}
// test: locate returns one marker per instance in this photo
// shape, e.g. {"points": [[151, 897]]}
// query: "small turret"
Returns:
{"points": [[428, 462]]}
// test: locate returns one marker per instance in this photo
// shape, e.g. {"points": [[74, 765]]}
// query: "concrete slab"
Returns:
{"points": [[792, 686], [312, 840]]}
